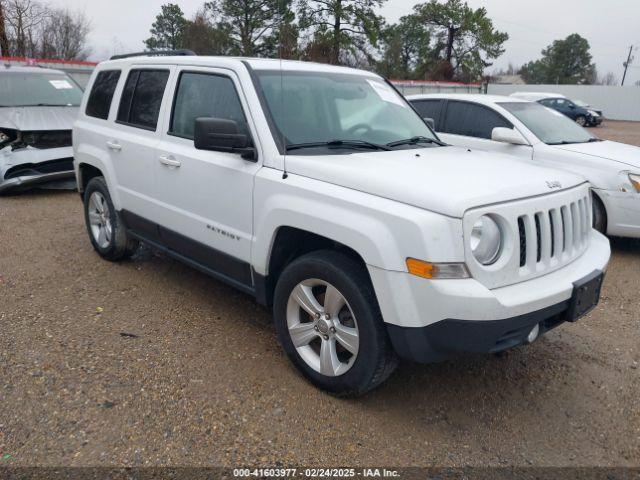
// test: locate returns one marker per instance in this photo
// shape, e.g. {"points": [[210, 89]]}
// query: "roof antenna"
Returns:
{"points": [[280, 48]]}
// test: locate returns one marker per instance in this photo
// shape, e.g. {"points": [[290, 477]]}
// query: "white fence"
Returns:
{"points": [[414, 87], [617, 103]]}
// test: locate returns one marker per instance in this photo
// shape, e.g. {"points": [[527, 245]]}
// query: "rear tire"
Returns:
{"points": [[599, 215], [104, 224], [340, 315]]}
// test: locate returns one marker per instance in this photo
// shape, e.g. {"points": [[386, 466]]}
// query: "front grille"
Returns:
{"points": [[542, 234], [47, 139], [553, 233]]}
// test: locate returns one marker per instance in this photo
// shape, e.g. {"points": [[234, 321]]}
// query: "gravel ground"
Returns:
{"points": [[149, 362]]}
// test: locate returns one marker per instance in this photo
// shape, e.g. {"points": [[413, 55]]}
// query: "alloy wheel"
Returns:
{"points": [[322, 327], [100, 219]]}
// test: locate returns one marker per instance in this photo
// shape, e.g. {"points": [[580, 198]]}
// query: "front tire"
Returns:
{"points": [[581, 120], [104, 224], [599, 215], [329, 324]]}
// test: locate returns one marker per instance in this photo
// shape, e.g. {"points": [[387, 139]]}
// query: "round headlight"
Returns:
{"points": [[486, 240]]}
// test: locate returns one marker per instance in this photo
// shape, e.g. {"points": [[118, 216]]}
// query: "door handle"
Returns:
{"points": [[169, 161], [113, 145]]}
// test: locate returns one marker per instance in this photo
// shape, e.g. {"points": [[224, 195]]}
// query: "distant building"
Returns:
{"points": [[79, 71], [508, 80]]}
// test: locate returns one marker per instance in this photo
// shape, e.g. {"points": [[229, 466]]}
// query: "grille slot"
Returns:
{"points": [[552, 229], [523, 242], [538, 239]]}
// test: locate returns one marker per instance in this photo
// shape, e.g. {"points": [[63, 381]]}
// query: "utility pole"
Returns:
{"points": [[626, 65]]}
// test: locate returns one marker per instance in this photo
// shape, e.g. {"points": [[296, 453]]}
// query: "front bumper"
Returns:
{"points": [[31, 167], [448, 338], [623, 212], [595, 121], [417, 306]]}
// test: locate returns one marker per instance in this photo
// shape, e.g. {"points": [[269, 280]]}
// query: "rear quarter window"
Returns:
{"points": [[142, 98], [101, 94]]}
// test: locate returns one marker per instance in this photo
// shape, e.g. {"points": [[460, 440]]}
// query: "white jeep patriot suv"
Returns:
{"points": [[321, 192]]}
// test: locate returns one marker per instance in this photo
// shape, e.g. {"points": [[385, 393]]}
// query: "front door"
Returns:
{"points": [[206, 197]]}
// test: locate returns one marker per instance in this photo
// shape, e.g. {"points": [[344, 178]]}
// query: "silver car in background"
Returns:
{"points": [[37, 109]]}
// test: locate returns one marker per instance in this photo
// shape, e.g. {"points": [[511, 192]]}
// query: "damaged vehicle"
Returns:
{"points": [[37, 109]]}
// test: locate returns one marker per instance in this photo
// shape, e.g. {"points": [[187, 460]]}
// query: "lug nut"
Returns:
{"points": [[326, 337], [333, 329], [315, 328]]}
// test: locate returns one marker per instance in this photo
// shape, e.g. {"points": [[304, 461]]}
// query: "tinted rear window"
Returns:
{"points": [[142, 98], [102, 93], [472, 120], [429, 109]]}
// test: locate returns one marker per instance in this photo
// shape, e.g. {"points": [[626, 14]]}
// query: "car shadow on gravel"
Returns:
{"points": [[626, 245]]}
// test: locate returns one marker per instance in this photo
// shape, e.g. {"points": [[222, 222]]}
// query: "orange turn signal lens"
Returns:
{"points": [[423, 269], [420, 268]]}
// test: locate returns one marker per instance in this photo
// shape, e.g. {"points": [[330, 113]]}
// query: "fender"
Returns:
{"points": [[382, 231]]}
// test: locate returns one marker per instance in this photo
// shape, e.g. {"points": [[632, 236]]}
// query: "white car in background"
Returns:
{"points": [[37, 109], [530, 131]]}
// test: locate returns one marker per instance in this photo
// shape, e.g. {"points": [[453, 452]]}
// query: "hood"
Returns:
{"points": [[622, 153], [446, 180], [38, 118]]}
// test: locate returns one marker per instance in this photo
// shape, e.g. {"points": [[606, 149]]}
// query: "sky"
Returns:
{"points": [[611, 26]]}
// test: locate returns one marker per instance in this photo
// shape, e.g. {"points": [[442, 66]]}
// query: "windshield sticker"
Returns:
{"points": [[61, 84], [386, 93]]}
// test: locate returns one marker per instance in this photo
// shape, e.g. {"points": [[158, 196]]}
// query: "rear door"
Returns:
{"points": [[206, 196], [133, 144], [470, 125]]}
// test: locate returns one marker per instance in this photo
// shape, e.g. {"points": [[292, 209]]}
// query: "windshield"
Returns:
{"points": [[25, 89], [312, 109], [550, 126], [580, 103]]}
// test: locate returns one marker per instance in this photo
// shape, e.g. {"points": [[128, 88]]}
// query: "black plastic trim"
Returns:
{"points": [[449, 338], [214, 263], [158, 53]]}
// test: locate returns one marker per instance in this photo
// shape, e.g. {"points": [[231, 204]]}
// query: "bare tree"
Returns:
{"points": [[23, 17], [64, 35], [4, 39], [608, 79]]}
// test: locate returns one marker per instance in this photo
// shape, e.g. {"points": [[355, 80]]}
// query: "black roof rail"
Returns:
{"points": [[156, 53]]}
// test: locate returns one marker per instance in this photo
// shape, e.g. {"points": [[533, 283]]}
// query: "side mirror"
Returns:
{"points": [[508, 135], [222, 135], [431, 122], [572, 106]]}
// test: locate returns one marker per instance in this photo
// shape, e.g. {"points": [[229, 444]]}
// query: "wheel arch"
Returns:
{"points": [[290, 243], [597, 200]]}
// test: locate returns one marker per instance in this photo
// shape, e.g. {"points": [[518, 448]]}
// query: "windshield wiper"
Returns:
{"points": [[415, 141], [338, 143], [591, 140]]}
